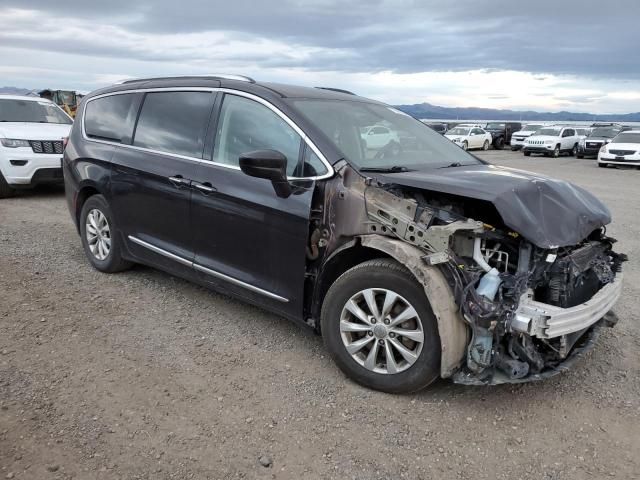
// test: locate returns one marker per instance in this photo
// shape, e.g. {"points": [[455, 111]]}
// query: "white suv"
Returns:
{"points": [[518, 138], [553, 140], [31, 133]]}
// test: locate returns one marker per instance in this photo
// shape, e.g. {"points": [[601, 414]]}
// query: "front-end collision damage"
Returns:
{"points": [[508, 309]]}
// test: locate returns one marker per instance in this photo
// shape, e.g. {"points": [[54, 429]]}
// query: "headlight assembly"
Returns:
{"points": [[13, 143]]}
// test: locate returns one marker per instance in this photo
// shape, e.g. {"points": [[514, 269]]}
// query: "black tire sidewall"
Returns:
{"points": [[390, 275], [113, 262]]}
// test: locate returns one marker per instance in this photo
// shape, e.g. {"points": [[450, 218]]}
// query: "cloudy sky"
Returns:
{"points": [[578, 55]]}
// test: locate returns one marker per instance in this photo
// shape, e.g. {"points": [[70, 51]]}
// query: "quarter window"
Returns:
{"points": [[110, 118], [246, 125], [174, 122]]}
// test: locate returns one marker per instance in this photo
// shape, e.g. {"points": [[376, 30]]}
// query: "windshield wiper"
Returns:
{"points": [[393, 169]]}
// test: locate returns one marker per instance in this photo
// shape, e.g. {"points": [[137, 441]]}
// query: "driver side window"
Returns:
{"points": [[245, 125]]}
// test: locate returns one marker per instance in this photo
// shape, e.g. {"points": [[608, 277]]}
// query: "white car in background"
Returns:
{"points": [[518, 138], [624, 149], [553, 140], [469, 137], [379, 136], [31, 142]]}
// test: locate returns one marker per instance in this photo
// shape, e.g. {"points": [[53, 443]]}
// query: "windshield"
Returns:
{"points": [[458, 131], [29, 111], [495, 126], [606, 132], [553, 132], [396, 140], [532, 127], [627, 137]]}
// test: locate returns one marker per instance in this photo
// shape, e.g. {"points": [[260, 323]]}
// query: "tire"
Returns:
{"points": [[485, 146], [556, 152], [499, 144], [111, 262], [513, 149], [603, 165], [5, 190], [580, 156], [381, 276], [574, 150], [527, 154], [465, 146]]}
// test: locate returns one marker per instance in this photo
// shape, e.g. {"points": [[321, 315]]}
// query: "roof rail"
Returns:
{"points": [[213, 76], [339, 90]]}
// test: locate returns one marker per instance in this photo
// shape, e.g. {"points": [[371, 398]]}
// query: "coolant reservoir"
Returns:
{"points": [[489, 284]]}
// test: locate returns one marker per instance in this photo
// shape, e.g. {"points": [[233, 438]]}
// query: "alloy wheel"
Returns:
{"points": [[98, 234], [381, 331]]}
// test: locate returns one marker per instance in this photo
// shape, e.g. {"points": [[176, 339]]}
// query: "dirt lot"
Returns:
{"points": [[143, 376]]}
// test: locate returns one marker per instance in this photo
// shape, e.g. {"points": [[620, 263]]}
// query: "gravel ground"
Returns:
{"points": [[141, 375]]}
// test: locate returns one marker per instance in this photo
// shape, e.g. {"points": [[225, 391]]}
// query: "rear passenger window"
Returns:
{"points": [[110, 118], [174, 122]]}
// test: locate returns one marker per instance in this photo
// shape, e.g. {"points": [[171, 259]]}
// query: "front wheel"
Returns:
{"points": [[527, 154], [556, 152], [379, 328], [485, 146], [465, 146], [574, 150], [102, 246], [499, 144]]}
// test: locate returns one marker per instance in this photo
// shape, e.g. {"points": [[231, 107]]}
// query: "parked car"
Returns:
{"points": [[469, 138], [553, 141], [441, 128], [411, 264], [501, 132], [31, 137], [623, 149], [599, 136], [518, 138], [378, 136]]}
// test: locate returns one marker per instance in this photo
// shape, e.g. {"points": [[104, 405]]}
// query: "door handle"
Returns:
{"points": [[205, 187], [179, 181]]}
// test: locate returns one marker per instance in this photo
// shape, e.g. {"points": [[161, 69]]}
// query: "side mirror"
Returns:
{"points": [[270, 165]]}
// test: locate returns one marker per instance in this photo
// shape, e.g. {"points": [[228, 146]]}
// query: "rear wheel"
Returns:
{"points": [[499, 143], [379, 328], [5, 190], [102, 246]]}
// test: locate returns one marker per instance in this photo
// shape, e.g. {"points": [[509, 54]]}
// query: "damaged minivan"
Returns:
{"points": [[411, 257]]}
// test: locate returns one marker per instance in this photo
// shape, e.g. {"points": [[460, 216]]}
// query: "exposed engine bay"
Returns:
{"points": [[496, 274], [528, 307]]}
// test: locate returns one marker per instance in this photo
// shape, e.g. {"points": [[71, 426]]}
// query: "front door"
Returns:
{"points": [[151, 179], [248, 240]]}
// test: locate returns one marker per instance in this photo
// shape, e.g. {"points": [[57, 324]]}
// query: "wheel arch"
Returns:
{"points": [[84, 193], [453, 332]]}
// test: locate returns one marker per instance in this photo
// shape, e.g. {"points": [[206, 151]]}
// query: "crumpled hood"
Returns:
{"points": [[34, 131], [548, 212]]}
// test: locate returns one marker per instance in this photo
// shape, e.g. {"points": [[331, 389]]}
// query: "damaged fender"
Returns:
{"points": [[454, 335]]}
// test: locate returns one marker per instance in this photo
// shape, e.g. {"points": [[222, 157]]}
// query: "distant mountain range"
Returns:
{"points": [[426, 110]]}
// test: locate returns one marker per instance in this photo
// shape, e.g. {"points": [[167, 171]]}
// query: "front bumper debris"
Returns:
{"points": [[548, 321], [584, 345]]}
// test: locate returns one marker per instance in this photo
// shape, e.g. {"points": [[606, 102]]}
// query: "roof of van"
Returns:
{"points": [[236, 82]]}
